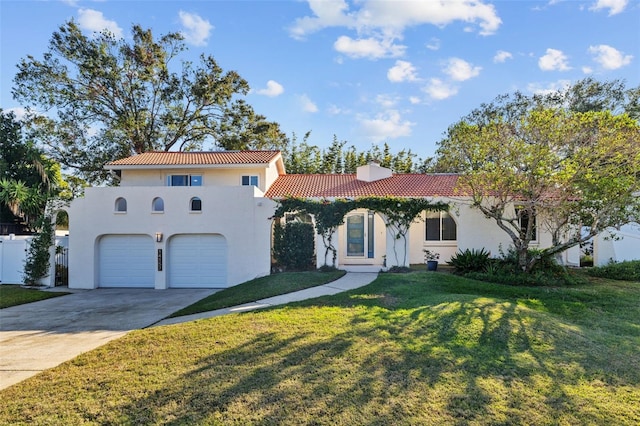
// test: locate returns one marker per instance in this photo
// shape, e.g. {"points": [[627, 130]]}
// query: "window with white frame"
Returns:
{"points": [[184, 180], [248, 180], [440, 226]]}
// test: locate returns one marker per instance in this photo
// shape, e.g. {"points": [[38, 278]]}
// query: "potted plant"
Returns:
{"points": [[431, 259]]}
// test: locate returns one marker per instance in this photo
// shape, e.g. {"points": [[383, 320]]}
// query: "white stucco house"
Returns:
{"points": [[203, 220]]}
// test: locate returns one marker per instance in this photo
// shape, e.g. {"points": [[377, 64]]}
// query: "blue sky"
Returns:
{"points": [[366, 71]]}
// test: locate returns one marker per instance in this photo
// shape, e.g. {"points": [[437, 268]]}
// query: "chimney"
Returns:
{"points": [[372, 172]]}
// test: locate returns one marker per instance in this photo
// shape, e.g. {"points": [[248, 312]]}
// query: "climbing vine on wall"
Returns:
{"points": [[398, 214]]}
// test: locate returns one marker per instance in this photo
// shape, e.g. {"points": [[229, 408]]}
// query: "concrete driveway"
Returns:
{"points": [[42, 335]]}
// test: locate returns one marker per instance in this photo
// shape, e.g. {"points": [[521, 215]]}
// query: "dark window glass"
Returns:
{"points": [[121, 205], [433, 226], [196, 204], [524, 223], [179, 180], [250, 180], [158, 204], [449, 230]]}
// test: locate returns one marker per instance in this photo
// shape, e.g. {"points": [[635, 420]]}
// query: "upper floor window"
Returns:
{"points": [[184, 180], [440, 226], [157, 205], [524, 217], [195, 204], [249, 180], [121, 205]]}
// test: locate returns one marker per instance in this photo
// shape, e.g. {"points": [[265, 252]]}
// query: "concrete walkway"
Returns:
{"points": [[44, 334], [349, 281]]}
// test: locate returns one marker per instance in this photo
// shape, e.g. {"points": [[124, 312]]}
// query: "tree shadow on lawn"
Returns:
{"points": [[453, 360], [376, 360]]}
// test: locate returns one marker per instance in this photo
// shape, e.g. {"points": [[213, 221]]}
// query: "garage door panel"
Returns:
{"points": [[126, 261], [197, 261]]}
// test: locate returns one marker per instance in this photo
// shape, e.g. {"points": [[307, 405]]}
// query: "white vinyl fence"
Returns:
{"points": [[13, 253]]}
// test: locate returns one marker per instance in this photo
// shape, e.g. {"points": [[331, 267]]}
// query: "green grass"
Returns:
{"points": [[12, 295], [419, 348], [260, 288]]}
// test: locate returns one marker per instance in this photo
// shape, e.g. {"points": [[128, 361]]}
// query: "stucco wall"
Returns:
{"points": [[219, 176], [236, 212], [624, 245]]}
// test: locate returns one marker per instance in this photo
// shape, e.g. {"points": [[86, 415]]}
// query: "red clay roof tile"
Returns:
{"points": [[347, 185], [196, 158]]}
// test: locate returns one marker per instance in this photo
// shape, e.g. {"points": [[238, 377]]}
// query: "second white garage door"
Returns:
{"points": [[197, 261]]}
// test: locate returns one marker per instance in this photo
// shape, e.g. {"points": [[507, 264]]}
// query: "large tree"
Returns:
{"points": [[106, 98], [575, 170], [28, 179]]}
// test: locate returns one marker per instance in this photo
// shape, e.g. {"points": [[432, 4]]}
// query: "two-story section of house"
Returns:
{"points": [[178, 219]]}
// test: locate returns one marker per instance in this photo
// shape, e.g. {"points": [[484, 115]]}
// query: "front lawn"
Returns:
{"points": [[260, 288], [419, 348], [12, 295]]}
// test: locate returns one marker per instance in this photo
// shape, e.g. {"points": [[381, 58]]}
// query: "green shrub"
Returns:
{"points": [[470, 261], [293, 246], [37, 264], [505, 270], [625, 271]]}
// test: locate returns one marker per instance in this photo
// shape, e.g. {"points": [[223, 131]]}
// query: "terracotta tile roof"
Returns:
{"points": [[400, 185], [196, 158]]}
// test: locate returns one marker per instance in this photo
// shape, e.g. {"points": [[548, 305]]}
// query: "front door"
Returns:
{"points": [[360, 235]]}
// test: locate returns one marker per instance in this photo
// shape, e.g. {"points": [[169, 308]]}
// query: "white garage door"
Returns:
{"points": [[197, 261], [127, 261]]}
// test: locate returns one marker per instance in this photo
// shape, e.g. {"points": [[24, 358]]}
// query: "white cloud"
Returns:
{"points": [[307, 104], [460, 70], [387, 101], [328, 13], [196, 30], [614, 6], [386, 125], [587, 70], [542, 89], [402, 71], [502, 56], [272, 90], [414, 100], [94, 21], [388, 17], [379, 24], [554, 60], [608, 57], [334, 110], [434, 44], [18, 112], [370, 48], [438, 89]]}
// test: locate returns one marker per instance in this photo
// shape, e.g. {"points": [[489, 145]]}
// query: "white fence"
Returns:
{"points": [[13, 253]]}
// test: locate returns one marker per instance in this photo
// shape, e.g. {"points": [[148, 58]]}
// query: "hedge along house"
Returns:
{"points": [[204, 220]]}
